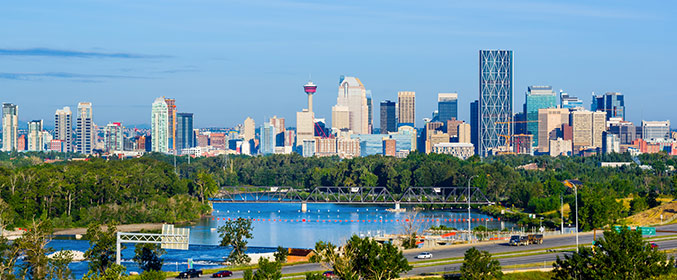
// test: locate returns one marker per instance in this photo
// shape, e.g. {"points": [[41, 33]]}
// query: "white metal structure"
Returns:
{"points": [[170, 238]]}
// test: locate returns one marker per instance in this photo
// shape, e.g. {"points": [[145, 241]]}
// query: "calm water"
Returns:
{"points": [[291, 228]]}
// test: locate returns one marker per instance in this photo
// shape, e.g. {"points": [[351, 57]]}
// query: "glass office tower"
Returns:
{"points": [[495, 99]]}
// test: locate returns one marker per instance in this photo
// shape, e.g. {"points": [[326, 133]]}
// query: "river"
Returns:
{"points": [[283, 224]]}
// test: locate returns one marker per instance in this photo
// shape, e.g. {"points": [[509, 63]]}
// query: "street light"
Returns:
{"points": [[576, 195], [469, 227]]}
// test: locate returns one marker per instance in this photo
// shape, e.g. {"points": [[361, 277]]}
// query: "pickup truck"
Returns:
{"points": [[518, 240], [191, 273]]}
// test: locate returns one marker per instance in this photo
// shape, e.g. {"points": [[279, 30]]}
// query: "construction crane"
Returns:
{"points": [[507, 137]]}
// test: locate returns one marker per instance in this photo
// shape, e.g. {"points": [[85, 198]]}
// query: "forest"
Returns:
{"points": [[152, 189]]}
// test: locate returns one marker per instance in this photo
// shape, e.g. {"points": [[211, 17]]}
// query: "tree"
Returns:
{"points": [[152, 275], [362, 258], [58, 265], [479, 265], [206, 187], [410, 229], [147, 255], [619, 255], [235, 234], [33, 246], [113, 272], [267, 271], [281, 254], [9, 254], [102, 250]]}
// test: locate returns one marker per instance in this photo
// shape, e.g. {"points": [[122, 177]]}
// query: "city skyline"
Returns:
{"points": [[211, 61]]}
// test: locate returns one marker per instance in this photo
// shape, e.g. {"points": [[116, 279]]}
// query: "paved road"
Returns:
{"points": [[457, 251]]}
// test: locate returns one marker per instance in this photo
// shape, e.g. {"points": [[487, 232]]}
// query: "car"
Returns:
{"points": [[191, 273], [329, 274], [653, 245], [425, 255], [222, 273]]}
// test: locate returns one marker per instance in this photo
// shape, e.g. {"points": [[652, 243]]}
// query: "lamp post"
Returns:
{"points": [[469, 226], [576, 195]]}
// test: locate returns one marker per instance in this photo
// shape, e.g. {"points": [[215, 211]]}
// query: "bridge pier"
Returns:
{"points": [[397, 206], [304, 207]]}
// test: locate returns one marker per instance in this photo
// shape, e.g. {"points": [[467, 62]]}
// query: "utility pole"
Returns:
{"points": [[561, 202]]}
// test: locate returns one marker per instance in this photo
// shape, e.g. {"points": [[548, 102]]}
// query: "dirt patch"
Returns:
{"points": [[653, 215], [125, 228]]}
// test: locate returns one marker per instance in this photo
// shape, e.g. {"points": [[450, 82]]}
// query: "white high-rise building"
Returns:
{"points": [[655, 130], [63, 127], [159, 119], [10, 124], [351, 96], [113, 137], [35, 139], [84, 130]]}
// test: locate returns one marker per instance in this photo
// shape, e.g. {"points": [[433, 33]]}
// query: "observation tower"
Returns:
{"points": [[310, 90]]}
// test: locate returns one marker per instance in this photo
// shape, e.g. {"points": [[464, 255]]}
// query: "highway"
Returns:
{"points": [[498, 247]]}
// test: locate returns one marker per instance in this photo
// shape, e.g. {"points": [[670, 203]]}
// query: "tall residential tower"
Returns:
{"points": [[63, 127], [10, 124], [159, 120], [84, 129]]}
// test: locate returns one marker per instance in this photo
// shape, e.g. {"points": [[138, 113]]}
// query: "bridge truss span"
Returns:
{"points": [[352, 195]]}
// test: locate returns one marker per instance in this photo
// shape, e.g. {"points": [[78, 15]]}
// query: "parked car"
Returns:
{"points": [[425, 255], [329, 274], [222, 273], [191, 273]]}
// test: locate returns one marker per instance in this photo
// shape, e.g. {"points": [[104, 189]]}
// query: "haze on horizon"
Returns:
{"points": [[226, 60]]}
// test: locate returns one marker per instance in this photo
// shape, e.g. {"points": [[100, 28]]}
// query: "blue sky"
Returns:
{"points": [[226, 60]]}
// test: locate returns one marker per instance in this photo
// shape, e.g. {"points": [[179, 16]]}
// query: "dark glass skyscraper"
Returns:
{"points": [[612, 103], [474, 123], [388, 121], [184, 131], [495, 99], [447, 106]]}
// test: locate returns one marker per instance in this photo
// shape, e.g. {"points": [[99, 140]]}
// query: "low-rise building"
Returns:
{"points": [[459, 150]]}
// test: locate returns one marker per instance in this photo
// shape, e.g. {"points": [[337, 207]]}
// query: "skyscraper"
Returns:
{"points": [[84, 130], [184, 131], [474, 125], [370, 113], [159, 118], [267, 134], [352, 99], [612, 103], [569, 102], [388, 121], [35, 140], [537, 97], [171, 123], [249, 128], [113, 137], [63, 127], [406, 101], [447, 106], [10, 124], [549, 120], [495, 99]]}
